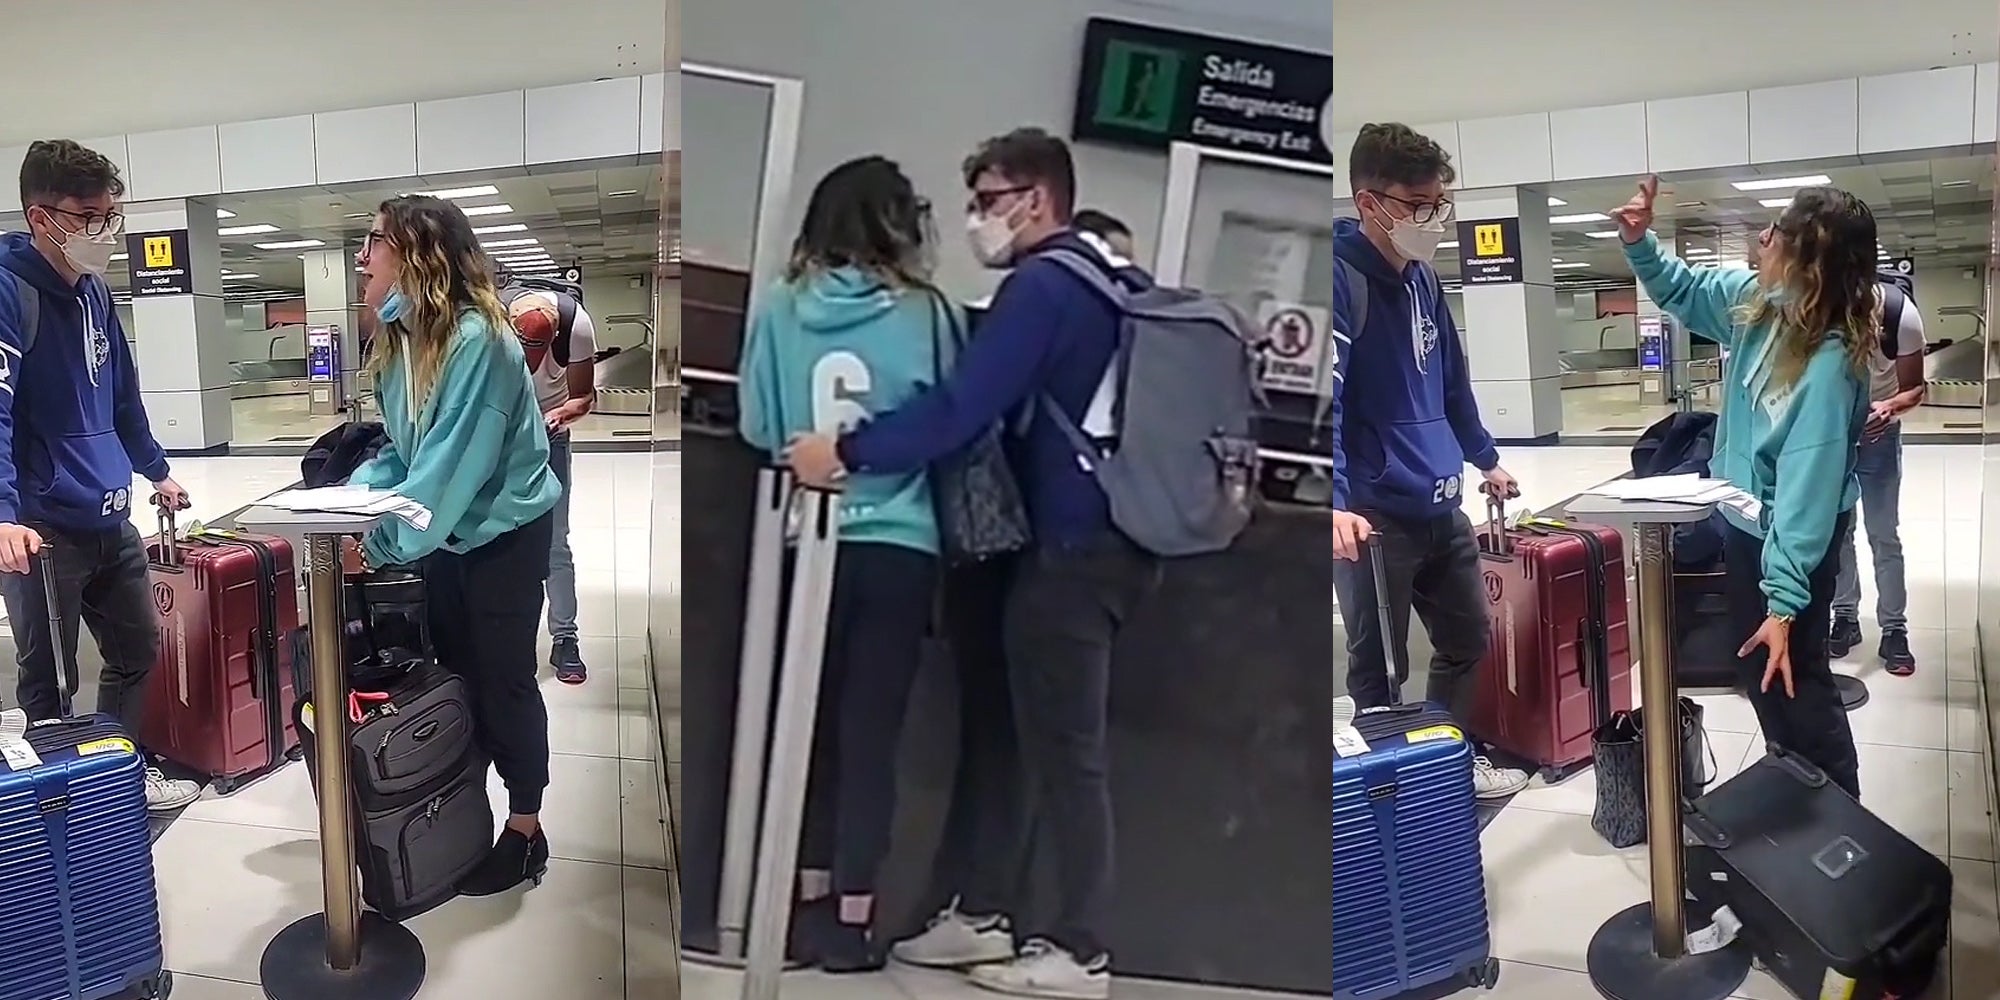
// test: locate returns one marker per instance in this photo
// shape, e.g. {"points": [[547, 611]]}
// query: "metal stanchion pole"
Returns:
{"points": [[1659, 716], [755, 677], [1641, 953], [791, 744], [341, 953]]}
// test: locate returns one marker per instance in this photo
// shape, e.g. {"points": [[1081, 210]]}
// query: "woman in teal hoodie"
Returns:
{"points": [[856, 329], [467, 440], [1798, 332]]}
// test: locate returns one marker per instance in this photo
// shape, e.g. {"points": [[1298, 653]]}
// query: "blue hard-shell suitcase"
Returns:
{"points": [[79, 907], [1409, 890], [79, 910]]}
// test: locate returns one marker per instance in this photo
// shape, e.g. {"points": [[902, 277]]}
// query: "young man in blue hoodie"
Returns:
{"points": [[73, 432], [1408, 426], [1049, 335]]}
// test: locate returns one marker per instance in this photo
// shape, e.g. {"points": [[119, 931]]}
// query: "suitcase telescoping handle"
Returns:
{"points": [[65, 656], [1394, 655], [170, 544], [1496, 524]]}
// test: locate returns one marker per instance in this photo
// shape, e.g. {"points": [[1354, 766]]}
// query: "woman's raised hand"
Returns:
{"points": [[1636, 216]]}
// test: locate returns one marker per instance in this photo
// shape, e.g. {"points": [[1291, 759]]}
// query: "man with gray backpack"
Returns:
{"points": [[1129, 410]]}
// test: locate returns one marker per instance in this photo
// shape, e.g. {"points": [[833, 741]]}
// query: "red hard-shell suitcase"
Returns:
{"points": [[219, 697], [1555, 599]]}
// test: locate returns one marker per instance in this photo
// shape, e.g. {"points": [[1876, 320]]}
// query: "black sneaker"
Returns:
{"points": [[514, 859], [1845, 635], [846, 948], [567, 658], [1895, 653]]}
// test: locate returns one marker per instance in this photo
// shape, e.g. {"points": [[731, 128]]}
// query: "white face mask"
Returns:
{"points": [[1417, 242], [89, 254], [992, 239]]}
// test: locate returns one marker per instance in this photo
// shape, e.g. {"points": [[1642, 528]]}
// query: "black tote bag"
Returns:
{"points": [[1619, 749], [980, 513]]}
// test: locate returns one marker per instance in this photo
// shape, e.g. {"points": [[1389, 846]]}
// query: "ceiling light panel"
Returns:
{"points": [[509, 227], [291, 245], [1780, 183], [527, 241], [256, 230], [453, 194], [1569, 220], [478, 210], [223, 213]]}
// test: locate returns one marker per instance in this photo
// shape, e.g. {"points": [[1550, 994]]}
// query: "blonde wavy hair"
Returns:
{"points": [[1823, 281], [445, 275]]}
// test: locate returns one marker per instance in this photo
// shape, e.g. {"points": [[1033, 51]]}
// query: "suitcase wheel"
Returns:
{"points": [[1485, 975], [150, 988], [226, 786], [296, 753]]}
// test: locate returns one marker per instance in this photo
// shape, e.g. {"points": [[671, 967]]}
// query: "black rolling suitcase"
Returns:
{"points": [[1833, 901], [422, 820]]}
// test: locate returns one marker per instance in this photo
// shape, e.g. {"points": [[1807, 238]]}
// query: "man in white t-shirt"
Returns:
{"points": [[566, 393], [1896, 386]]}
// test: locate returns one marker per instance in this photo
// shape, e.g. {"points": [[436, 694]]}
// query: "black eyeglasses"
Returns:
{"points": [[983, 201], [375, 236], [1421, 212], [94, 224]]}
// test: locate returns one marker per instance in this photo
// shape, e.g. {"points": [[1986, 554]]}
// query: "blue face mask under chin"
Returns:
{"points": [[393, 306]]}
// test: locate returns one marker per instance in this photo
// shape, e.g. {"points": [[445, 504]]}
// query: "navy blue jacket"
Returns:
{"points": [[1402, 391], [1045, 333], [73, 428]]}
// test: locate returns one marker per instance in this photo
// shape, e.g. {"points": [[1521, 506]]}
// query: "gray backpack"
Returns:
{"points": [[1180, 482]]}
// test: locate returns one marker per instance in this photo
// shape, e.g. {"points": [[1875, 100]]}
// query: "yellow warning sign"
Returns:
{"points": [[1489, 239], [160, 251]]}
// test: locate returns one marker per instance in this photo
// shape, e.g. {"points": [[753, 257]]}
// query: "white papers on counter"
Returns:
{"points": [[351, 500], [1689, 488]]}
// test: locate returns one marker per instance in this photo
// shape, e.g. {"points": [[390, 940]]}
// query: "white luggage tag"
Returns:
{"points": [[1347, 742]]}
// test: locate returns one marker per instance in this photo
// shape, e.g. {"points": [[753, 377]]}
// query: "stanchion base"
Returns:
{"points": [[1623, 966], [1853, 691], [391, 966]]}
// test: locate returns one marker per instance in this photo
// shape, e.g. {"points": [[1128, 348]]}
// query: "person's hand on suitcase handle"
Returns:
{"points": [[1350, 532], [1775, 635], [170, 496], [19, 544], [1500, 484]]}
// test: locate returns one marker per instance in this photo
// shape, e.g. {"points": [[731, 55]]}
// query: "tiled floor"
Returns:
{"points": [[233, 871], [1551, 881]]}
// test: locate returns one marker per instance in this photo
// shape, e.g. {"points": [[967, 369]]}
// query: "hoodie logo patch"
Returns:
{"points": [[100, 350], [1426, 342]]}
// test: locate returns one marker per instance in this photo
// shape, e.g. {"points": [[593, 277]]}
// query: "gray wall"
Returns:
{"points": [[922, 81]]}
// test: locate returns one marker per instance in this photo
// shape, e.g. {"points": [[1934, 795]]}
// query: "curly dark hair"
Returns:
{"points": [[1029, 156], [1391, 153], [55, 169]]}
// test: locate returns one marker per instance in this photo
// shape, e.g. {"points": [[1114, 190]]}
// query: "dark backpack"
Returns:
{"points": [[568, 296], [1186, 368], [1898, 292]]}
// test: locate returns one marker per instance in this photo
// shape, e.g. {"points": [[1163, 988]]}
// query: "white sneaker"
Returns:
{"points": [[1044, 970], [1493, 782], [164, 794], [953, 939]]}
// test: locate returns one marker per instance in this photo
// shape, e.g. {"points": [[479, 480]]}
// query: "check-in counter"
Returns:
{"points": [[1220, 753]]}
